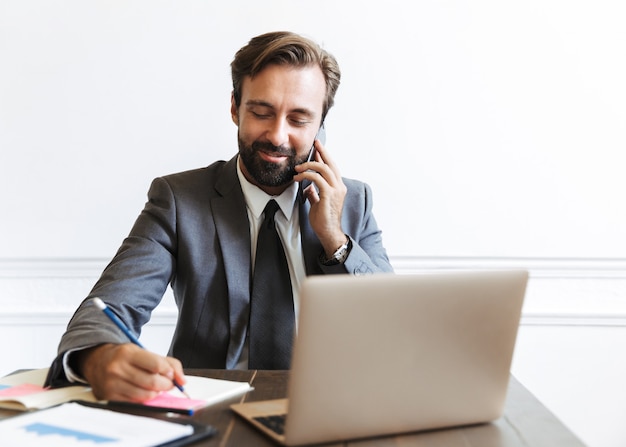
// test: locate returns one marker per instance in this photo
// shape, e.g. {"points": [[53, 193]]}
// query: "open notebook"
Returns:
{"points": [[25, 391], [387, 354]]}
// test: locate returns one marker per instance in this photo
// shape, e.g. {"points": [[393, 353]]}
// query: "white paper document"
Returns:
{"points": [[73, 424]]}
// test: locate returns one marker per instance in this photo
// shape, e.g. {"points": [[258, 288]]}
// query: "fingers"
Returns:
{"points": [[179, 375], [326, 198], [322, 155], [310, 193], [128, 373], [322, 170]]}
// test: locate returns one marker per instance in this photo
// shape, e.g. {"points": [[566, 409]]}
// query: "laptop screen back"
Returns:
{"points": [[385, 354]]}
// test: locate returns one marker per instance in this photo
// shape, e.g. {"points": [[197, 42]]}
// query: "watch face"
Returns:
{"points": [[339, 256]]}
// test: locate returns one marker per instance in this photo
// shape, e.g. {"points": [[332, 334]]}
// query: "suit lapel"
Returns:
{"points": [[231, 222]]}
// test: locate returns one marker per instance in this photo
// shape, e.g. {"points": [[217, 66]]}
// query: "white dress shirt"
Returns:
{"points": [[288, 226]]}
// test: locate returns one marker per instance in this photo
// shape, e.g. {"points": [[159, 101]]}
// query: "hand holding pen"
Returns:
{"points": [[128, 371]]}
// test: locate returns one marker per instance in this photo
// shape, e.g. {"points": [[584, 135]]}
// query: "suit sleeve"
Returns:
{"points": [[132, 284]]}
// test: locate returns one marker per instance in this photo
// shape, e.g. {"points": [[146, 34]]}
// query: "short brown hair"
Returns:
{"points": [[284, 48]]}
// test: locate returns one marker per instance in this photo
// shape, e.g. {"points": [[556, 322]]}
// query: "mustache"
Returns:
{"points": [[269, 147]]}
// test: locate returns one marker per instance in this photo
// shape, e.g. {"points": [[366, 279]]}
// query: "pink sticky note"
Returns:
{"points": [[165, 400], [21, 390]]}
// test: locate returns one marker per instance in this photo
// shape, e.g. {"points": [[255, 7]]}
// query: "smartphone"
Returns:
{"points": [[321, 135]]}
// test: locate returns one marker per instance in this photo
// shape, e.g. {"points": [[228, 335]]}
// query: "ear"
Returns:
{"points": [[234, 112]]}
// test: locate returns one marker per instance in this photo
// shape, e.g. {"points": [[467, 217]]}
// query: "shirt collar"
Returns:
{"points": [[256, 198]]}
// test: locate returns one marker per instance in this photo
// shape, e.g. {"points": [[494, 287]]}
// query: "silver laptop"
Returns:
{"points": [[387, 354]]}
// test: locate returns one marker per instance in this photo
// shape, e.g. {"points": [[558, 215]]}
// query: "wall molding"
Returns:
{"points": [[39, 318], [52, 267], [542, 267], [45, 291], [552, 267], [168, 319], [579, 320]]}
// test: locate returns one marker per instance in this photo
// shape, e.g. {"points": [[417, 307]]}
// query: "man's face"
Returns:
{"points": [[278, 118]]}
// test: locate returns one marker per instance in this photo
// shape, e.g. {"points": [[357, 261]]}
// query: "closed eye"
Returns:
{"points": [[261, 115], [300, 123]]}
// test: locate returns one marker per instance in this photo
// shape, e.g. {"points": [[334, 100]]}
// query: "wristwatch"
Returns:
{"points": [[339, 256]]}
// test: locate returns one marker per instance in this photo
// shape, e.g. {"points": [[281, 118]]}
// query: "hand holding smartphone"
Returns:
{"points": [[321, 136]]}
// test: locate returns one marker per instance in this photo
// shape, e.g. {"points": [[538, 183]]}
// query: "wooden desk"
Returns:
{"points": [[525, 423]]}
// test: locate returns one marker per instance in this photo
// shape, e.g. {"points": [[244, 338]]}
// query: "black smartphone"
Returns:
{"points": [[321, 135]]}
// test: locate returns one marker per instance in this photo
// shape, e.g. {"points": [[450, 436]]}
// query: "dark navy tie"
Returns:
{"points": [[271, 304]]}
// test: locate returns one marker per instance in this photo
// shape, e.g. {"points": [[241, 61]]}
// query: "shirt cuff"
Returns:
{"points": [[70, 374]]}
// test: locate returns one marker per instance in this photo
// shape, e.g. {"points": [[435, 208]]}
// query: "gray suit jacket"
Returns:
{"points": [[193, 234]]}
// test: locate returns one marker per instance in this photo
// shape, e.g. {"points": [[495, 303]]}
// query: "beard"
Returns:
{"points": [[267, 173]]}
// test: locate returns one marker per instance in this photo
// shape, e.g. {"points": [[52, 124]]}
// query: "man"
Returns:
{"points": [[198, 232]]}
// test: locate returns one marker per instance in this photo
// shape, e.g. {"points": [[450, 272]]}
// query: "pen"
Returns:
{"points": [[109, 313]]}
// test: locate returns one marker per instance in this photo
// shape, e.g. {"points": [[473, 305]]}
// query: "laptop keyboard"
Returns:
{"points": [[276, 423]]}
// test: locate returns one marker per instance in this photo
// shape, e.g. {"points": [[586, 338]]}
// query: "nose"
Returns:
{"points": [[278, 132]]}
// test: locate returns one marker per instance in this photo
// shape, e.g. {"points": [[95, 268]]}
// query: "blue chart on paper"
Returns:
{"points": [[42, 429]]}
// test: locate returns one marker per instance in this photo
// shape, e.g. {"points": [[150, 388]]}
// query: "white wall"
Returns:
{"points": [[486, 128], [492, 139]]}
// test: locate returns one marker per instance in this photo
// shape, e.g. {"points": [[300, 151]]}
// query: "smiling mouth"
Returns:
{"points": [[272, 157]]}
